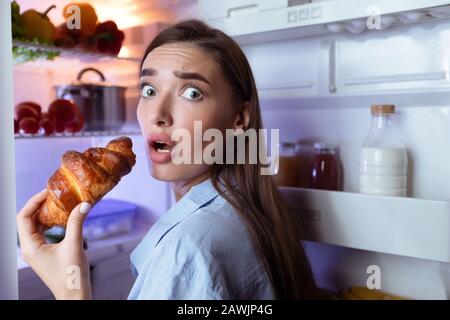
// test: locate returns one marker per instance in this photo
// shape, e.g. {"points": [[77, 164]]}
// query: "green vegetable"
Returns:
{"points": [[17, 27], [23, 54]]}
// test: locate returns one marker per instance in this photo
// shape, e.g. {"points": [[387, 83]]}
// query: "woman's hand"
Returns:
{"points": [[63, 267]]}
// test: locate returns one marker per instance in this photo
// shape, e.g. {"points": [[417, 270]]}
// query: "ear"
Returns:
{"points": [[242, 117]]}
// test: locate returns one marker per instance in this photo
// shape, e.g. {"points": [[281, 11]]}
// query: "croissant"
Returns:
{"points": [[85, 177]]}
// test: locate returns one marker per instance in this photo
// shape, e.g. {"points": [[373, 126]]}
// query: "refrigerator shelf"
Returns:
{"points": [[82, 55], [79, 134], [409, 227]]}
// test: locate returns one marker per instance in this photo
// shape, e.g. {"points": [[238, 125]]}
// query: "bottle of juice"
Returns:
{"points": [[384, 161]]}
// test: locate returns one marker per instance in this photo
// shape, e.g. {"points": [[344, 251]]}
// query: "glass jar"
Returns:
{"points": [[383, 160], [288, 166], [305, 152], [325, 168]]}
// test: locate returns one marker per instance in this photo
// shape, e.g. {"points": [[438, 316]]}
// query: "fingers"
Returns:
{"points": [[33, 204], [27, 227], [74, 229], [25, 223]]}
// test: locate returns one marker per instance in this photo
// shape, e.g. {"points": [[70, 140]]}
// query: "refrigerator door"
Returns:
{"points": [[8, 240]]}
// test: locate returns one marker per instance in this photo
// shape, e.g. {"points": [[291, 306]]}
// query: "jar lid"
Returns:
{"points": [[382, 108], [287, 144], [323, 146]]}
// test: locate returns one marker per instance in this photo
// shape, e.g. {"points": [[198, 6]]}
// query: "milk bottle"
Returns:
{"points": [[384, 161]]}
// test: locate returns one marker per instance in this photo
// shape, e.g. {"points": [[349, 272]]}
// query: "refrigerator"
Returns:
{"points": [[319, 66]]}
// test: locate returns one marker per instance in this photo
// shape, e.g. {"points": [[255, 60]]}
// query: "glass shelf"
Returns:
{"points": [[75, 53], [130, 131]]}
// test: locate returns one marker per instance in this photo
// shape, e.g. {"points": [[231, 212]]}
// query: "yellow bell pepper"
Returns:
{"points": [[38, 25]]}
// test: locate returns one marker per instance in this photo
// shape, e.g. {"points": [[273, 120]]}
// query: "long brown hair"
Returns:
{"points": [[276, 234]]}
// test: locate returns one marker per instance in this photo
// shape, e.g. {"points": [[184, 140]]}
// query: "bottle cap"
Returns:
{"points": [[382, 108]]}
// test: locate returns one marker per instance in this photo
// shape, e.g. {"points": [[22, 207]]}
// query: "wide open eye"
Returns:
{"points": [[147, 90], [192, 93]]}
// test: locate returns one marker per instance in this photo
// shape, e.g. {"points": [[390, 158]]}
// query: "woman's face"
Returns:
{"points": [[181, 84]]}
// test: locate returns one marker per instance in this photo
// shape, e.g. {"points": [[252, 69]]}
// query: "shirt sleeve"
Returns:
{"points": [[179, 269]]}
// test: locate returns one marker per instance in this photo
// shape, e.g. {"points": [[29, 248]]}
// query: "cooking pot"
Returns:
{"points": [[102, 105]]}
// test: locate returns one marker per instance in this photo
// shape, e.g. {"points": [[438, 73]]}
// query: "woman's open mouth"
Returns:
{"points": [[160, 147]]}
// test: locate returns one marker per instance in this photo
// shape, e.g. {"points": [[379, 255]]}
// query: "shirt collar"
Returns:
{"points": [[198, 196]]}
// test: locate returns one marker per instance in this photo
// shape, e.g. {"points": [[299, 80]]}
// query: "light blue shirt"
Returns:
{"points": [[199, 249]]}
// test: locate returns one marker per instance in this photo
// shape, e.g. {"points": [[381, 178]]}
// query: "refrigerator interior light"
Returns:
{"points": [[387, 21], [356, 26], [124, 52], [410, 17], [440, 12], [336, 27]]}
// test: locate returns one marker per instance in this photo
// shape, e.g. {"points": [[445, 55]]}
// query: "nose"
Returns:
{"points": [[160, 114]]}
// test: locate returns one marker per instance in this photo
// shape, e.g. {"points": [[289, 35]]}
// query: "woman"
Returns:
{"points": [[228, 236]]}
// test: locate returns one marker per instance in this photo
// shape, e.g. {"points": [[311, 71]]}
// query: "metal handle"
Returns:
{"points": [[80, 74]]}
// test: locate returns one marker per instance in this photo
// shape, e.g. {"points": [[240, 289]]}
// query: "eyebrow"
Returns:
{"points": [[177, 73]]}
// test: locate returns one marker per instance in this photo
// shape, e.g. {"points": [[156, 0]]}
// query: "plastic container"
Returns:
{"points": [[109, 217], [384, 161]]}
